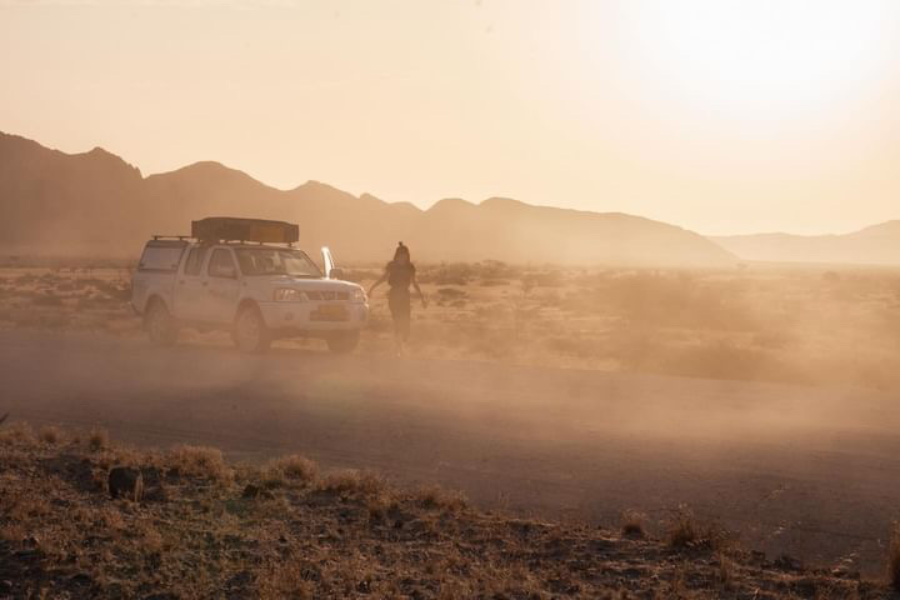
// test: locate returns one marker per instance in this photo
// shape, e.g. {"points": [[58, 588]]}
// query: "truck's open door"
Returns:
{"points": [[328, 261]]}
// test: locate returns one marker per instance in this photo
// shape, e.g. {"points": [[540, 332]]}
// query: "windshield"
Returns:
{"points": [[276, 261], [161, 256]]}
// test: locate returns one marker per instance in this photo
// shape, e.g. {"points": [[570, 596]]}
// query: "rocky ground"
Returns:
{"points": [[196, 526]]}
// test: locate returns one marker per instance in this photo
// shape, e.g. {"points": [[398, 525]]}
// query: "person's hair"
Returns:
{"points": [[402, 251]]}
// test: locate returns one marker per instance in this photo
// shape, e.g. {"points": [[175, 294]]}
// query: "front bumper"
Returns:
{"points": [[307, 316]]}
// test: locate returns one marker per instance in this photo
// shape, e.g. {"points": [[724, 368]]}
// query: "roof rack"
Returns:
{"points": [[188, 238], [181, 238], [250, 243]]}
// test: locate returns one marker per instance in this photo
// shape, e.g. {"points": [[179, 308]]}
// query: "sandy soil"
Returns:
{"points": [[807, 471], [198, 527]]}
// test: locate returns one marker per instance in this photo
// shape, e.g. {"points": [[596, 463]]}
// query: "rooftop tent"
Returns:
{"points": [[247, 230]]}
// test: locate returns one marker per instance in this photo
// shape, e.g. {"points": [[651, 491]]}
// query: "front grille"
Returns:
{"points": [[327, 296]]}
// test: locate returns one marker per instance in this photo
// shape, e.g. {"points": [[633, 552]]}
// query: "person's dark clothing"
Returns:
{"points": [[400, 276]]}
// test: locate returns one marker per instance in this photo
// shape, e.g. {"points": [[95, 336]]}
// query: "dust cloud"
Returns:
{"points": [[762, 397]]}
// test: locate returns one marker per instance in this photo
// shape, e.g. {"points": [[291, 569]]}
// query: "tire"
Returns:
{"points": [[161, 328], [250, 333], [343, 342]]}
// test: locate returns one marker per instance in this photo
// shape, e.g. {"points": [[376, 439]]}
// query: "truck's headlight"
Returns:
{"points": [[289, 295], [358, 295]]}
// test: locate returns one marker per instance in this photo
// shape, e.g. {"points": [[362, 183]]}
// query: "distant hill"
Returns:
{"points": [[875, 245], [96, 204]]}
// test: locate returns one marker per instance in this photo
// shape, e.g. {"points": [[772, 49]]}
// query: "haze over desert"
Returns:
{"points": [[477, 299]]}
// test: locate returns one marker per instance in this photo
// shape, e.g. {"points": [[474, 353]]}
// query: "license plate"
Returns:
{"points": [[330, 312]]}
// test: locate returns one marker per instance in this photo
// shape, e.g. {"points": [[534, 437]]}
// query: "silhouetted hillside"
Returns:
{"points": [[97, 204], [875, 245]]}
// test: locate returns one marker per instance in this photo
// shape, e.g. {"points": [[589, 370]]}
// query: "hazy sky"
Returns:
{"points": [[722, 116]]}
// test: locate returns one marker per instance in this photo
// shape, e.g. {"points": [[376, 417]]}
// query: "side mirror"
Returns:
{"points": [[336, 273]]}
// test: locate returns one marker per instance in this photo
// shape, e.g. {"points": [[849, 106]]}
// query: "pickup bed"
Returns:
{"points": [[257, 292]]}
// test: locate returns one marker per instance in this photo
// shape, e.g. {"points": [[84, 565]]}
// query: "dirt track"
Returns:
{"points": [[812, 472]]}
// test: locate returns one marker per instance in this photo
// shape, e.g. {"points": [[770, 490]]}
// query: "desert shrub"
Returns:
{"points": [[351, 481], [553, 278], [495, 269], [26, 279], [298, 467], [447, 274], [685, 531], [200, 461], [633, 524], [493, 282], [50, 434], [17, 433], [451, 293], [360, 275], [436, 497], [98, 439], [294, 468], [46, 299], [676, 300]]}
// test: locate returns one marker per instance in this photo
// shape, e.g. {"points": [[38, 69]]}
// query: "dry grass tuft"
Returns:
{"points": [[894, 558], [633, 524], [200, 461], [98, 439], [434, 496], [351, 481], [685, 531], [18, 433], [284, 580], [150, 537], [50, 434], [296, 467]]}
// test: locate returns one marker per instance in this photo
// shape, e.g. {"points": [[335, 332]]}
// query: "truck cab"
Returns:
{"points": [[259, 292]]}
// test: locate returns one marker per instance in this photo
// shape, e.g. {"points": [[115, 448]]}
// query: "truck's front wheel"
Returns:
{"points": [[343, 342], [159, 324], [250, 332]]}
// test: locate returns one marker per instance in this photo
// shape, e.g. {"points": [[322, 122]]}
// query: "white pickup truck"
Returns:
{"points": [[258, 291]]}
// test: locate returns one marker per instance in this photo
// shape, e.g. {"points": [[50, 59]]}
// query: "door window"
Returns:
{"points": [[194, 261], [221, 264]]}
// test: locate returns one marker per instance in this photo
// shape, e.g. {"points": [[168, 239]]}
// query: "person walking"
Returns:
{"points": [[400, 273]]}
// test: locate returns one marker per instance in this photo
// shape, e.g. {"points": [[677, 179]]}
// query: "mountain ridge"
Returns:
{"points": [[96, 203], [877, 244]]}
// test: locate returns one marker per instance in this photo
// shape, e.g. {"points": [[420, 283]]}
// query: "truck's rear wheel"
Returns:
{"points": [[250, 332], [343, 342], [159, 324]]}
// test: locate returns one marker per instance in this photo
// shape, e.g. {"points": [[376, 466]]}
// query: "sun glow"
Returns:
{"points": [[762, 57]]}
